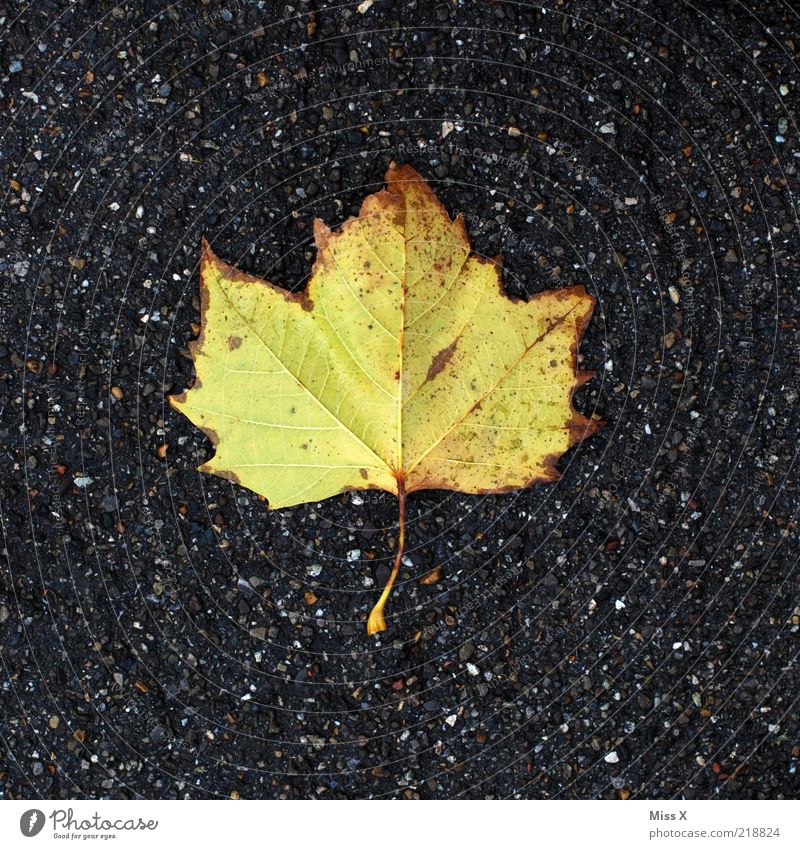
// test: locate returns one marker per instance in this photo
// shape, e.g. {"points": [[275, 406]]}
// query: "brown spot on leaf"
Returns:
{"points": [[441, 360], [234, 342]]}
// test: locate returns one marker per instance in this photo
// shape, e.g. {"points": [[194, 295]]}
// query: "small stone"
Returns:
{"points": [[447, 128], [158, 734], [82, 481], [433, 577], [53, 722], [15, 67], [608, 129], [612, 757], [674, 294]]}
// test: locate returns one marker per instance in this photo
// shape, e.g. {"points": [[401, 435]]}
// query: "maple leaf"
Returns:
{"points": [[402, 366]]}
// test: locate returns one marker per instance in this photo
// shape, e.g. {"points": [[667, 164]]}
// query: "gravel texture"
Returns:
{"points": [[629, 631]]}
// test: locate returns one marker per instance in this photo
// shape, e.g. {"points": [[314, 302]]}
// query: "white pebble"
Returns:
{"points": [[612, 757]]}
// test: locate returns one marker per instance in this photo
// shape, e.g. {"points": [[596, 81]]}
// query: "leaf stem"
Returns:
{"points": [[376, 622]]}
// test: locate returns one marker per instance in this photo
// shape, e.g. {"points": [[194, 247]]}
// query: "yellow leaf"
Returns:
{"points": [[402, 366]]}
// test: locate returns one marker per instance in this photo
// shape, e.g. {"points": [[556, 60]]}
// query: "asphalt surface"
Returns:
{"points": [[627, 632]]}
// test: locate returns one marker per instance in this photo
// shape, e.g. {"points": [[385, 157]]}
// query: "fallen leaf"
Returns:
{"points": [[402, 366]]}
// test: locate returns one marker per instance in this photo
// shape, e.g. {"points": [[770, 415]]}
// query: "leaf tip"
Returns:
{"points": [[176, 401], [206, 251], [402, 174], [321, 233]]}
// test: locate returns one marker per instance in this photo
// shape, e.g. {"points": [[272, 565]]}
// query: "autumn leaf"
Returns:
{"points": [[402, 366]]}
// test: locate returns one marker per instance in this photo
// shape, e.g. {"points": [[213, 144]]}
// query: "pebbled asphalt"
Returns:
{"points": [[627, 632]]}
